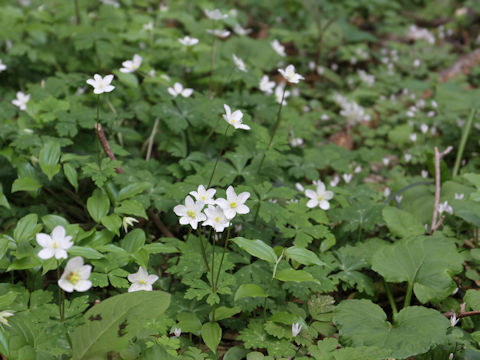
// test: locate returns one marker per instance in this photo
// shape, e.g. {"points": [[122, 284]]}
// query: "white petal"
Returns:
{"points": [[44, 240], [228, 112], [83, 285], [97, 77], [244, 127], [92, 82], [152, 278], [109, 88], [243, 197], [324, 204], [243, 209], [60, 254], [231, 195], [46, 253], [58, 233], [84, 272], [180, 210], [65, 285], [187, 92], [229, 213], [311, 194], [108, 79], [312, 203]]}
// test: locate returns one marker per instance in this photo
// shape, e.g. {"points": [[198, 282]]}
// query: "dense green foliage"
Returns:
{"points": [[374, 270]]}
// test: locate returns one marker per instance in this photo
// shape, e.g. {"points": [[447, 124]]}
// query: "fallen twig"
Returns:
{"points": [[106, 145], [438, 156], [160, 225]]}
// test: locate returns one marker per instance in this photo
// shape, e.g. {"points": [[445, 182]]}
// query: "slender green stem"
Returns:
{"points": [[265, 301], [213, 265], [212, 63], [218, 157], [461, 148], [275, 128], [408, 295], [77, 12], [204, 142], [61, 305], [223, 256], [96, 136], [390, 299], [204, 254]]}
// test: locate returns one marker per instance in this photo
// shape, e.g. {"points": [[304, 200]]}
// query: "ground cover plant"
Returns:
{"points": [[282, 179]]}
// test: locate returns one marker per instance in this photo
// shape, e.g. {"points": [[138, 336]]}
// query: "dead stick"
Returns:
{"points": [[161, 226], [106, 145], [151, 139], [438, 156]]}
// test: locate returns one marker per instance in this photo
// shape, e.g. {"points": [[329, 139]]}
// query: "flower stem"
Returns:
{"points": [[204, 142], [61, 305], [218, 157], [214, 290], [77, 12], [223, 256], [212, 62], [275, 128], [390, 299], [204, 254], [408, 296], [463, 141], [97, 141]]}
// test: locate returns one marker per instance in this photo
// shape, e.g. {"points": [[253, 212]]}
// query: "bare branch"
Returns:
{"points": [[106, 145]]}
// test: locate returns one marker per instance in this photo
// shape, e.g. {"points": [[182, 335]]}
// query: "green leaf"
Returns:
{"points": [[211, 335], [49, 157], [3, 198], [26, 228], [131, 207], [303, 256], [294, 275], [223, 312], [112, 222], [249, 290], [189, 322], [71, 175], [256, 248], [112, 323], [133, 241], [402, 223], [472, 298], [25, 184], [132, 190], [427, 262], [86, 252], [98, 205], [416, 330]]}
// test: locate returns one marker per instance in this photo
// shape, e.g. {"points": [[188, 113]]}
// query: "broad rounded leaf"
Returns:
{"points": [[249, 290], [401, 223], [427, 262], [417, 329], [98, 205], [211, 335], [303, 256], [86, 252], [25, 184], [256, 248], [49, 157], [294, 275]]}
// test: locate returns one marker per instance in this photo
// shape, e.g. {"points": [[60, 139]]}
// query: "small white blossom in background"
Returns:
{"points": [[417, 63], [334, 182], [3, 67], [75, 276], [444, 207], [163, 8], [324, 117], [178, 89], [190, 213], [215, 14], [239, 63], [454, 320], [219, 33], [424, 174], [128, 221], [204, 195], [334, 66], [111, 3], [141, 280], [56, 244], [399, 198], [296, 328], [431, 114], [237, 29], [290, 75], [320, 197], [216, 218], [459, 196], [235, 118], [148, 26], [130, 66], [278, 48], [299, 187], [366, 78], [413, 137], [21, 101], [177, 331], [101, 85], [387, 192], [234, 204], [450, 357], [358, 169], [416, 33], [295, 142], [347, 178], [320, 70], [424, 128], [407, 157], [353, 112], [4, 315], [386, 161], [279, 94], [266, 85], [188, 41]]}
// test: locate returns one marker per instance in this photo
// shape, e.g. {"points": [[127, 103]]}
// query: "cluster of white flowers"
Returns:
{"points": [[366, 78], [288, 74], [354, 113], [219, 212], [416, 33]]}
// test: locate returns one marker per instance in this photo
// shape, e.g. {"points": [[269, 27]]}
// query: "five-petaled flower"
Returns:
{"points": [[296, 328], [131, 65], [55, 244], [239, 63], [141, 280], [235, 118], [178, 89], [216, 218], [204, 195], [290, 75], [188, 41], [75, 276], [101, 85], [234, 204], [320, 197], [266, 85], [21, 101], [191, 212]]}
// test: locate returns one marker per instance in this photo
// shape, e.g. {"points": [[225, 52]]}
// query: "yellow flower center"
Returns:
{"points": [[54, 245], [141, 282], [233, 205], [320, 198], [73, 277], [217, 219], [203, 197], [191, 214]]}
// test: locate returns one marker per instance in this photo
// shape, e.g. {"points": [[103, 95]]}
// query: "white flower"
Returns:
{"points": [[191, 212], [279, 48], [279, 94], [128, 221], [239, 63], [130, 66], [347, 178], [290, 75], [2, 66], [101, 85], [386, 161], [219, 33], [4, 315], [454, 320], [413, 137], [216, 218], [299, 187], [296, 328], [334, 182], [424, 174], [215, 14], [320, 197], [237, 29], [21, 100], [320, 70], [407, 157], [459, 196], [188, 41], [417, 63], [266, 85], [387, 192], [204, 195], [235, 118], [111, 2], [234, 204], [75, 276], [366, 78], [148, 26], [324, 117], [178, 89], [433, 103], [417, 33], [55, 244], [177, 331], [444, 207], [141, 280]]}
